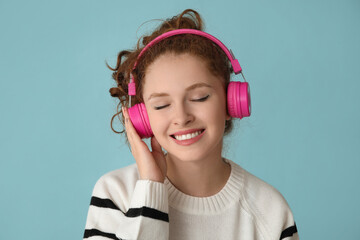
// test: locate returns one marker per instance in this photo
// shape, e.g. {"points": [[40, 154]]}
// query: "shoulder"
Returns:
{"points": [[127, 173], [266, 204], [262, 194], [117, 185]]}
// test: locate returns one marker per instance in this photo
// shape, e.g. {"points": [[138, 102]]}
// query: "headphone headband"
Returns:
{"points": [[234, 62]]}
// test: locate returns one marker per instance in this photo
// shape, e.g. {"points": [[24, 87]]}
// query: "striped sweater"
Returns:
{"points": [[125, 207]]}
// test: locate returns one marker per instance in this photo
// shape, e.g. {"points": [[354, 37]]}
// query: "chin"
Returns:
{"points": [[189, 156]]}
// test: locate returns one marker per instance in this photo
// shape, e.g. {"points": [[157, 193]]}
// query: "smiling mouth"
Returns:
{"points": [[201, 131]]}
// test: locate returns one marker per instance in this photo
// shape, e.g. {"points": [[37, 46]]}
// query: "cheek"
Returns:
{"points": [[157, 122], [218, 114], [219, 107], [214, 115]]}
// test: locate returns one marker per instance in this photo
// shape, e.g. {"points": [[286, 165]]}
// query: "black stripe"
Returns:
{"points": [[288, 232], [132, 212], [105, 203], [94, 232], [148, 212]]}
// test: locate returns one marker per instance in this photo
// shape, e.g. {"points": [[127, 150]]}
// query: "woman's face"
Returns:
{"points": [[181, 94]]}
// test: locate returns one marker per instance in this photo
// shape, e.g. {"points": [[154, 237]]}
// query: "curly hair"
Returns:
{"points": [[214, 57]]}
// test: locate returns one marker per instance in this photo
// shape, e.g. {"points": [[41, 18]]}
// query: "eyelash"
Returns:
{"points": [[196, 100]]}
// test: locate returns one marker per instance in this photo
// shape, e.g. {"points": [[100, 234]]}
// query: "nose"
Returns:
{"points": [[182, 115]]}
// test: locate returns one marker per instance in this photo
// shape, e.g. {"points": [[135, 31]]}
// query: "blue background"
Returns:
{"points": [[300, 57]]}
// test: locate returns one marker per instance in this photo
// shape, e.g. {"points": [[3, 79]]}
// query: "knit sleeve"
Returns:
{"points": [[280, 218], [289, 233], [276, 215], [116, 212], [270, 210]]}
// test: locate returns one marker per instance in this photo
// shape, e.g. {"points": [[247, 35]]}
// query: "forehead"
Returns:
{"points": [[176, 72]]}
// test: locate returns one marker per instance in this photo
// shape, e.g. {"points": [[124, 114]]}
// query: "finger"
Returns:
{"points": [[155, 146], [158, 155], [157, 151], [131, 132], [128, 125]]}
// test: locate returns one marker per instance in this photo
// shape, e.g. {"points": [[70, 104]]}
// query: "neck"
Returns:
{"points": [[201, 178]]}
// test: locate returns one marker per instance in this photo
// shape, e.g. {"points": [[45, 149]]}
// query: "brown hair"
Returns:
{"points": [[216, 60]]}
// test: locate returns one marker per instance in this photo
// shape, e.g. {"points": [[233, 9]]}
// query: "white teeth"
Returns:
{"points": [[187, 136]]}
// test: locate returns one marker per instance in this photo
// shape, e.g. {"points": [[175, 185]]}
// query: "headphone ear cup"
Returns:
{"points": [[140, 120], [238, 99]]}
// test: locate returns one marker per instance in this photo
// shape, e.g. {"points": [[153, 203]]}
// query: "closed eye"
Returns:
{"points": [[201, 99], [195, 100], [161, 107]]}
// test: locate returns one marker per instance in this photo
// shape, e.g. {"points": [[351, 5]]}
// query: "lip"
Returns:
{"points": [[189, 141], [187, 131]]}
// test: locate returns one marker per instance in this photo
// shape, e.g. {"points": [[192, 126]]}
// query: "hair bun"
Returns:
{"points": [[115, 92]]}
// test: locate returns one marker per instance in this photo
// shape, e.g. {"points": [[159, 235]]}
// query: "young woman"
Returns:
{"points": [[178, 88]]}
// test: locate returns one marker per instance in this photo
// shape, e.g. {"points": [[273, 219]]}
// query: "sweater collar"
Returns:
{"points": [[214, 204]]}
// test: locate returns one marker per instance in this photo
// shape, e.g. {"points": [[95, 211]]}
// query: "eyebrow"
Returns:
{"points": [[196, 85]]}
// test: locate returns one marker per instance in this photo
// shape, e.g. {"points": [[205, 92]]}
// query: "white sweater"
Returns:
{"points": [[124, 207]]}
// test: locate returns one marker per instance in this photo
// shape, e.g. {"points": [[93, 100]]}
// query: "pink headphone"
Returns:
{"points": [[238, 93]]}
